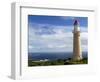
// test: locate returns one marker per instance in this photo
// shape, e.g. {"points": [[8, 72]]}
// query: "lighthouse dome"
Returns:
{"points": [[76, 26], [76, 22]]}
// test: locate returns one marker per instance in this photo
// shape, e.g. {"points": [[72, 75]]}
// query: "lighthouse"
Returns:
{"points": [[77, 52]]}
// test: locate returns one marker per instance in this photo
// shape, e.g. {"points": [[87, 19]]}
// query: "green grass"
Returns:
{"points": [[57, 62]]}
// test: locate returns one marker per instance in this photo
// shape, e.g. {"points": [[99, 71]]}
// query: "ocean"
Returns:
{"points": [[53, 56]]}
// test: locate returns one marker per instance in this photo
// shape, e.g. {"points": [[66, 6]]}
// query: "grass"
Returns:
{"points": [[57, 62]]}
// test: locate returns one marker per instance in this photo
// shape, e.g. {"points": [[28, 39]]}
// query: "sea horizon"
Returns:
{"points": [[36, 56]]}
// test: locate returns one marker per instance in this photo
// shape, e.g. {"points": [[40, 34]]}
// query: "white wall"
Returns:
{"points": [[5, 38]]}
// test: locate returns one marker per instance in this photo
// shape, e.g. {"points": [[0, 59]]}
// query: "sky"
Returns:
{"points": [[54, 33]]}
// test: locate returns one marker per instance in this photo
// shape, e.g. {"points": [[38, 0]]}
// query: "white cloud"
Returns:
{"points": [[61, 40], [30, 47]]}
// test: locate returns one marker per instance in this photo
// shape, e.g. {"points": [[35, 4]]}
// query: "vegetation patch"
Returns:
{"points": [[57, 62]]}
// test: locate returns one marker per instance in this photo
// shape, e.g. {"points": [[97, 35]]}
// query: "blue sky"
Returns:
{"points": [[57, 20], [54, 33]]}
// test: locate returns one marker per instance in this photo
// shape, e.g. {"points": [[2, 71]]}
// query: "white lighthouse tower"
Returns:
{"points": [[77, 52]]}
